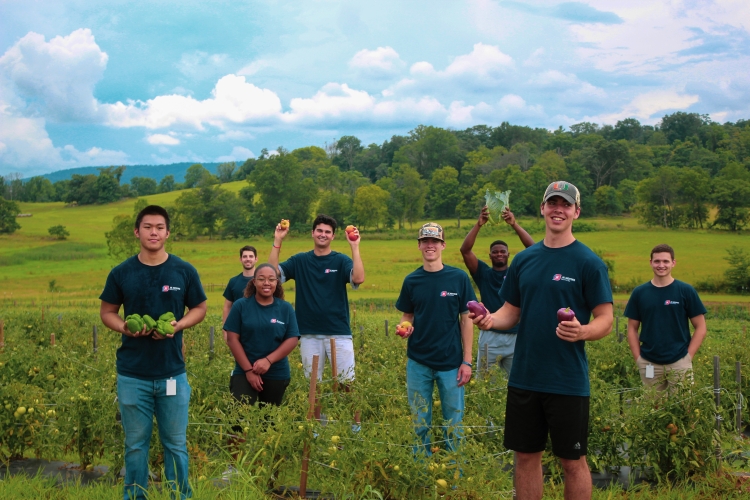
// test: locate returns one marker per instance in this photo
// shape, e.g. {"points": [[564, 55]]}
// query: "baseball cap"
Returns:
{"points": [[431, 230], [564, 189]]}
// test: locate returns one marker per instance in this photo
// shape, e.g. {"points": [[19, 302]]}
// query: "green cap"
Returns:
{"points": [[564, 189]]}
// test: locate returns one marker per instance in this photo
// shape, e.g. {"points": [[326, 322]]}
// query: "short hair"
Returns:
{"points": [[248, 248], [498, 242], [661, 249], [151, 210], [324, 219]]}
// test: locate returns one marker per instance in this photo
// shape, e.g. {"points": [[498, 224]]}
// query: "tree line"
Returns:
{"points": [[687, 171]]}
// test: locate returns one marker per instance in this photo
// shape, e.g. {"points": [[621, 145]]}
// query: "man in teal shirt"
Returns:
{"points": [[548, 388], [665, 350], [235, 289], [433, 299]]}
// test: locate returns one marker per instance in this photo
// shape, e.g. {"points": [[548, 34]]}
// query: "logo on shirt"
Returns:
{"points": [[331, 271], [274, 320], [167, 288], [448, 294], [670, 303], [560, 277]]}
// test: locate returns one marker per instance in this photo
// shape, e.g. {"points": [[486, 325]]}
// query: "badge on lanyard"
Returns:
{"points": [[172, 386]]}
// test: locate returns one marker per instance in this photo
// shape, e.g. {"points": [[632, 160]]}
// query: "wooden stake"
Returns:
{"points": [[334, 368], [211, 343], [2, 333], [96, 346], [386, 328], [717, 401], [486, 359], [738, 377], [52, 339], [310, 415]]}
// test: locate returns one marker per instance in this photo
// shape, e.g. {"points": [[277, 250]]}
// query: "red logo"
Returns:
{"points": [[666, 302], [557, 277], [443, 294], [165, 288], [328, 271], [273, 320]]}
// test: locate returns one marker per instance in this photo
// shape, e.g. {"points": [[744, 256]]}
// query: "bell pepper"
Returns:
{"points": [[149, 322], [167, 316], [134, 322], [164, 327]]}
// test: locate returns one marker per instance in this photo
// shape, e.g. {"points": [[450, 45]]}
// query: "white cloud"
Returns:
{"points": [[162, 139], [483, 61], [646, 105], [201, 65], [381, 61], [422, 68], [233, 101], [93, 156], [535, 59], [238, 154], [459, 114], [235, 135], [557, 80], [334, 100], [254, 67], [56, 78]]}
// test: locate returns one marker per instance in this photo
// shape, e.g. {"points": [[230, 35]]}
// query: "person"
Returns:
{"points": [[433, 299], [262, 331], [322, 303], [661, 307], [151, 377], [548, 388], [235, 289], [493, 344]]}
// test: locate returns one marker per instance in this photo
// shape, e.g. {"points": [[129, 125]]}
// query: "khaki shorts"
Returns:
{"points": [[311, 346], [666, 376]]}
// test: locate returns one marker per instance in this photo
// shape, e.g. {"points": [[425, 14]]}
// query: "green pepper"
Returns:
{"points": [[149, 322], [134, 322], [164, 327], [167, 316]]}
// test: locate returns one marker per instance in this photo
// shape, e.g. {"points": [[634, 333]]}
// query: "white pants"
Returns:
{"points": [[310, 346]]}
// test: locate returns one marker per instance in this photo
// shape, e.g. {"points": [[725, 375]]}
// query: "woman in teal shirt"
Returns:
{"points": [[261, 332]]}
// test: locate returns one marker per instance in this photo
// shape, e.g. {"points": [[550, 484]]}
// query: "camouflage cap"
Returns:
{"points": [[431, 230], [565, 189]]}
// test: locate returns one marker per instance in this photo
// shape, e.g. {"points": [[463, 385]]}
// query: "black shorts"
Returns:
{"points": [[531, 415], [272, 393]]}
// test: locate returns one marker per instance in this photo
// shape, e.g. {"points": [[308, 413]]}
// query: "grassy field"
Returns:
{"points": [[30, 259]]}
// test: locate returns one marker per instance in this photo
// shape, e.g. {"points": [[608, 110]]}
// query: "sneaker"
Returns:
{"points": [[356, 427]]}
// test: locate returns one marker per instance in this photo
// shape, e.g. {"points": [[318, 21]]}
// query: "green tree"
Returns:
{"points": [[121, 240], [695, 193], [224, 171], [430, 148], [205, 208], [59, 232], [348, 147], [82, 189], [658, 199], [370, 205], [144, 186], [282, 191], [738, 274], [608, 201], [166, 184], [680, 125], [627, 188], [336, 205], [408, 192], [107, 185], [194, 174], [8, 212], [38, 189], [444, 193], [732, 198]]}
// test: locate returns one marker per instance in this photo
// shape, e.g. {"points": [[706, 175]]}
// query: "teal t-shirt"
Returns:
{"points": [[664, 313], [321, 302], [490, 282], [153, 290], [262, 329], [436, 299], [235, 289], [540, 281]]}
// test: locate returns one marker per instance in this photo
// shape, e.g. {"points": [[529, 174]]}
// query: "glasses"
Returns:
{"points": [[266, 280]]}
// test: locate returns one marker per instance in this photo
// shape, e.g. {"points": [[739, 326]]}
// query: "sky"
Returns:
{"points": [[158, 81]]}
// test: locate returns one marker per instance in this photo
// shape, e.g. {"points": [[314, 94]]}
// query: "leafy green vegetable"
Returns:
{"points": [[496, 202]]}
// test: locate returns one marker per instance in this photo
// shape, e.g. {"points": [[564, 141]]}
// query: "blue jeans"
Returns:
{"points": [[420, 381], [140, 400]]}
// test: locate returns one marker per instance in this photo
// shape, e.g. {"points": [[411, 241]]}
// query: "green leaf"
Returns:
{"points": [[496, 203]]}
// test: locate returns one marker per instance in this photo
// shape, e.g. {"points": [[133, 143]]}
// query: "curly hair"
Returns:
{"points": [[250, 288]]}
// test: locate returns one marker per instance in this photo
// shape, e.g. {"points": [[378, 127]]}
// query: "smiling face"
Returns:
{"points": [[152, 233], [248, 260], [265, 282], [662, 264], [559, 214], [431, 248], [499, 255], [322, 235]]}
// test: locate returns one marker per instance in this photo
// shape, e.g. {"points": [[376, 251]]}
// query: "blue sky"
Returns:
{"points": [[130, 82]]}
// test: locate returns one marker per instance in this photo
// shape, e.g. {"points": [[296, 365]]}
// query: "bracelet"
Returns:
{"points": [[466, 363], [248, 370], [275, 246], [269, 361]]}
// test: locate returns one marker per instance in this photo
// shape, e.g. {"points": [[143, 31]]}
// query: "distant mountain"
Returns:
{"points": [[155, 172]]}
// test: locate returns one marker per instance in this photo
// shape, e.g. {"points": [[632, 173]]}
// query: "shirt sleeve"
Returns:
{"points": [[631, 310], [234, 318], [596, 289], [195, 294], [510, 291], [404, 302], [347, 271], [694, 304], [112, 292], [287, 269], [292, 330], [467, 294], [228, 292]]}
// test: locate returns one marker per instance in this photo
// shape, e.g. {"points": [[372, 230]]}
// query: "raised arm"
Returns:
{"points": [[470, 258], [278, 236], [525, 238], [358, 271]]}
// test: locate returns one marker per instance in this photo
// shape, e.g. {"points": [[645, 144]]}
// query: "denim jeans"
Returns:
{"points": [[139, 401], [420, 381]]}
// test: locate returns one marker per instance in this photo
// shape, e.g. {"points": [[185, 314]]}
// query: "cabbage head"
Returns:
{"points": [[496, 202]]}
